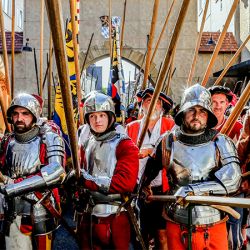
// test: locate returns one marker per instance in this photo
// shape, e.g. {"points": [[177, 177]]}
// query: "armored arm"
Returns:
{"points": [[51, 174], [228, 177]]}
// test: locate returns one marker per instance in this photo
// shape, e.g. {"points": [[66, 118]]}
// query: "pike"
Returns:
{"points": [[227, 127], [76, 52], [150, 43], [13, 49], [41, 46], [204, 200], [198, 42], [165, 66], [161, 34], [217, 82], [87, 53], [140, 70], [54, 12], [219, 43]]}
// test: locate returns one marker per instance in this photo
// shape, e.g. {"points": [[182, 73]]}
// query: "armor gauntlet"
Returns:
{"points": [[228, 176], [51, 174], [103, 182]]}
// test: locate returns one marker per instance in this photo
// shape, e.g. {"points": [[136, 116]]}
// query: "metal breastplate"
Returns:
{"points": [[192, 164], [101, 161], [195, 161], [23, 158], [101, 157]]}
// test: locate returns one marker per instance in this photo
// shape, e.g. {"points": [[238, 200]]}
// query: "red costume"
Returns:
{"points": [[109, 162]]}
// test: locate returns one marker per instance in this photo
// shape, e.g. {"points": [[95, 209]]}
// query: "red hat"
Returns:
{"points": [[39, 99]]}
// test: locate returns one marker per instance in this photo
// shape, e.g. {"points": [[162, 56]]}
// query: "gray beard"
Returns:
{"points": [[155, 115]]}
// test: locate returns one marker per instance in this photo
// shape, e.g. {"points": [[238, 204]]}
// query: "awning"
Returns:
{"points": [[238, 70]]}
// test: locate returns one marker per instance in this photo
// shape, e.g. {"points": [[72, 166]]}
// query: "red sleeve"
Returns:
{"points": [[126, 171], [236, 131]]}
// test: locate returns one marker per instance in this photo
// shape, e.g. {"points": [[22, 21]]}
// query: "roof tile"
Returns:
{"points": [[229, 44]]}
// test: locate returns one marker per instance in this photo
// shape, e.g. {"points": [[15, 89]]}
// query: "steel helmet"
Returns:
{"points": [[193, 96], [26, 101], [98, 102]]}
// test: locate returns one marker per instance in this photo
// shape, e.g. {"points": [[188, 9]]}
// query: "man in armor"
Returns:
{"points": [[200, 162], [31, 161], [109, 162]]}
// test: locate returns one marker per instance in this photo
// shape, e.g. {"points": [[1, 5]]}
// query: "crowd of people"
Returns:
{"points": [[183, 153]]}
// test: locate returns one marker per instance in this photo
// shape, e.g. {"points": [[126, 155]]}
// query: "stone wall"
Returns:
{"points": [[137, 26]]}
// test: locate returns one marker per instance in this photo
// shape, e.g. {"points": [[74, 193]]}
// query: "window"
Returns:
{"points": [[20, 19], [7, 7]]}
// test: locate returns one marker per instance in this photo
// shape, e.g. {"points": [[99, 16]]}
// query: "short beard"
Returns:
{"points": [[22, 129], [187, 127]]}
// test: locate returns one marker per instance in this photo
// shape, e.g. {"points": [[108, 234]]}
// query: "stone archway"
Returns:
{"points": [[97, 53]]}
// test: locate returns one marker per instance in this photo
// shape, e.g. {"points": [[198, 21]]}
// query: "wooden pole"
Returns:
{"points": [[76, 59], [159, 84], [205, 200], [170, 72], [13, 49], [54, 12], [87, 53], [198, 42], [150, 43], [41, 46], [5, 55], [110, 29], [232, 60], [219, 43], [4, 111], [50, 80], [137, 82], [227, 127], [162, 31], [123, 25], [37, 81]]}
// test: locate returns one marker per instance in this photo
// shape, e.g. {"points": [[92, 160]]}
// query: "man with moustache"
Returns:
{"points": [[221, 98], [152, 224], [31, 162], [199, 162]]}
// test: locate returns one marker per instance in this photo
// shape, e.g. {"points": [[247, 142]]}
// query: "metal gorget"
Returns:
{"points": [[23, 158]]}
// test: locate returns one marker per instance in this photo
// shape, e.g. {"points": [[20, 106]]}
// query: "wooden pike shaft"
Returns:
{"points": [[205, 200], [123, 25], [13, 49], [54, 12], [4, 111], [171, 68], [219, 43], [76, 59], [198, 42], [110, 29], [5, 56], [232, 60], [87, 53], [227, 127], [50, 80], [162, 31], [41, 47], [150, 43], [165, 66]]}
